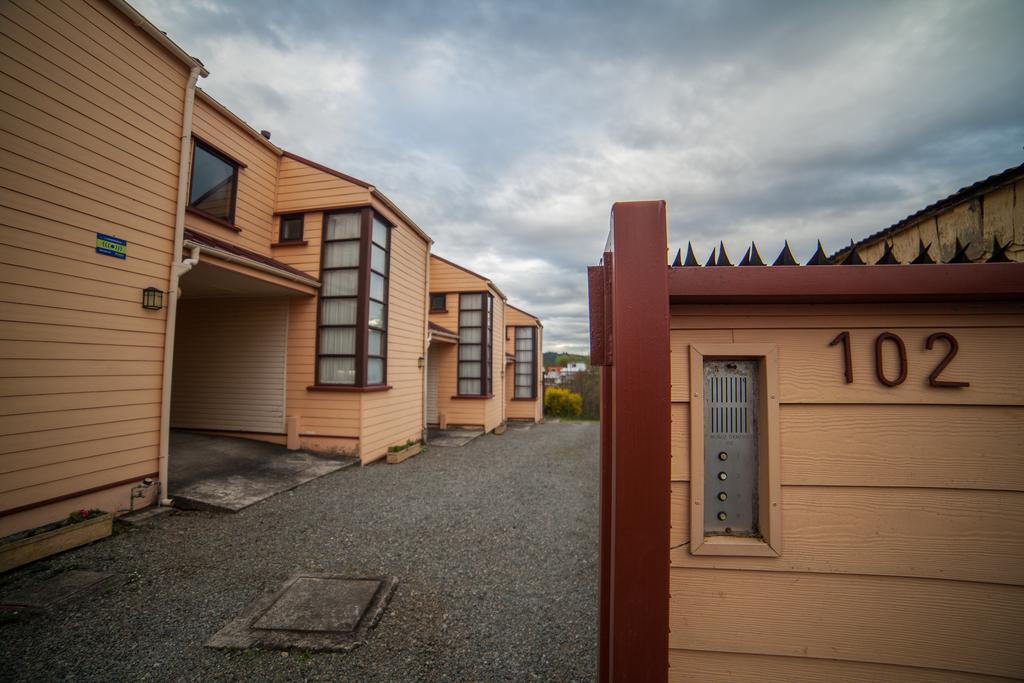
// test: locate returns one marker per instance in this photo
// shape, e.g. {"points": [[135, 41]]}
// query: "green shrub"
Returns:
{"points": [[560, 402]]}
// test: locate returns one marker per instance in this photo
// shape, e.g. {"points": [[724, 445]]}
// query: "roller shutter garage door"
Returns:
{"points": [[229, 364]]}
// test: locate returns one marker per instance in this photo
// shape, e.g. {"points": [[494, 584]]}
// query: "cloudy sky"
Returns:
{"points": [[507, 129]]}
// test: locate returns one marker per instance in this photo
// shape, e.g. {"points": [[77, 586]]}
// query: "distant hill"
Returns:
{"points": [[560, 359]]}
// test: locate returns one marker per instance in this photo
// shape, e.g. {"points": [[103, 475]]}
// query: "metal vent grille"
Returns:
{"points": [[728, 404]]}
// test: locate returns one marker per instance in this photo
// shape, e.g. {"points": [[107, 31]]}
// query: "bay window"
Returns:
{"points": [[525, 363], [476, 348], [352, 318]]}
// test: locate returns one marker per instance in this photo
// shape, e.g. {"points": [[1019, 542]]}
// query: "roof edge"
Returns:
{"points": [[531, 315], [488, 281], [159, 36], [964, 194], [237, 120]]}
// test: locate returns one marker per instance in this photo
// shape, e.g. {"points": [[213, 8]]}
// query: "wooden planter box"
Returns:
{"points": [[25, 550], [405, 454]]}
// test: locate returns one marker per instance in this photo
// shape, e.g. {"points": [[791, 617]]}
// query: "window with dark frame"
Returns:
{"points": [[525, 363], [213, 185], [476, 348], [291, 228], [438, 302], [352, 318]]}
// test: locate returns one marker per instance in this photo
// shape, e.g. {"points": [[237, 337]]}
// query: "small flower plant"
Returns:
{"points": [[83, 514]]}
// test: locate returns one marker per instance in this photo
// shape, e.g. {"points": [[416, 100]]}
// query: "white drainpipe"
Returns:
{"points": [[426, 342], [178, 268]]}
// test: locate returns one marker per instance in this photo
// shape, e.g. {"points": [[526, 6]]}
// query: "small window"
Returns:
{"points": [[438, 303], [214, 183], [291, 228], [734, 450]]}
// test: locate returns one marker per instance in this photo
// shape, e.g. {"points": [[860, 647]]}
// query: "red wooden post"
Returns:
{"points": [[635, 455]]}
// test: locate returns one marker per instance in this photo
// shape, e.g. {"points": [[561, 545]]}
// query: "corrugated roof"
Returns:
{"points": [[962, 195]]}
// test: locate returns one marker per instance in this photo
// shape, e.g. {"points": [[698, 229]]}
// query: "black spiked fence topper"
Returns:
{"points": [[723, 258], [888, 258], [923, 257], [999, 252], [785, 257], [852, 258], [751, 257], [961, 253], [819, 258], [691, 259]]}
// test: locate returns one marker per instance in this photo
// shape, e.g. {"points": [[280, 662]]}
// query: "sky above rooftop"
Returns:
{"points": [[506, 130]]}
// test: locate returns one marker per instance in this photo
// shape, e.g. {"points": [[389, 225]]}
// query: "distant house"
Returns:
{"points": [[976, 223], [553, 375], [574, 367]]}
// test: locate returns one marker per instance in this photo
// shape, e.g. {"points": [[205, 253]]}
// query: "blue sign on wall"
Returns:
{"points": [[111, 246]]}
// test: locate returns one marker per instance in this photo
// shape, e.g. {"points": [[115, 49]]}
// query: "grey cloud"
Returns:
{"points": [[507, 130]]}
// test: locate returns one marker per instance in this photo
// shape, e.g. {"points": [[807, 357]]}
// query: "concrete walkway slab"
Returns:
{"points": [[452, 438], [314, 612], [226, 474], [41, 595]]}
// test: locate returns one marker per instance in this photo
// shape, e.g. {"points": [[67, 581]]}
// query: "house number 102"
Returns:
{"points": [[901, 351]]}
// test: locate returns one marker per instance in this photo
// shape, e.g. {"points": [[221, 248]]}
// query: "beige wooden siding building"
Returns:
{"points": [[97, 105], [902, 508], [461, 392], [524, 378], [989, 211], [92, 103]]}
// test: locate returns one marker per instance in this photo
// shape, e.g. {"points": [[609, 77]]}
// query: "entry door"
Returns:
{"points": [[433, 357]]}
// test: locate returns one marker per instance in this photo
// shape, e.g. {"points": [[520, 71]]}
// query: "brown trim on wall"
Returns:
{"points": [[68, 496], [469, 397], [290, 243], [326, 169], [363, 302], [218, 150], [348, 388], [213, 219], [847, 284], [328, 209]]}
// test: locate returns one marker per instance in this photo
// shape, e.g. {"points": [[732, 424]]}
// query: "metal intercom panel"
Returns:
{"points": [[730, 447]]}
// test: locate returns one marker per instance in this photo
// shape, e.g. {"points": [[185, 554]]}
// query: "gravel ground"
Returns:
{"points": [[495, 546]]}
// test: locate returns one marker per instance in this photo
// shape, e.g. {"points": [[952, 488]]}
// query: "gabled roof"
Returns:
{"points": [[476, 275], [380, 196], [531, 315], [964, 194]]}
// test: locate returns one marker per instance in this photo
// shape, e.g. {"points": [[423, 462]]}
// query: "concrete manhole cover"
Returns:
{"points": [[310, 612]]}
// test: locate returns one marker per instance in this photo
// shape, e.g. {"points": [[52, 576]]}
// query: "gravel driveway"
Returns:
{"points": [[495, 545]]}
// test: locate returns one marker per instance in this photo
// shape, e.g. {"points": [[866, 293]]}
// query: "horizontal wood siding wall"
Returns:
{"points": [[998, 214], [229, 364], [902, 508], [395, 416], [257, 182], [446, 278], [90, 141], [302, 187]]}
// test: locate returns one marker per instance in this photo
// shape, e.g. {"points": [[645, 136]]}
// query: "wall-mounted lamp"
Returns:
{"points": [[152, 299], [420, 362]]}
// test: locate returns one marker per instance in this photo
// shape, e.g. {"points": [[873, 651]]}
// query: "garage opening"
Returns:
{"points": [[229, 379]]}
